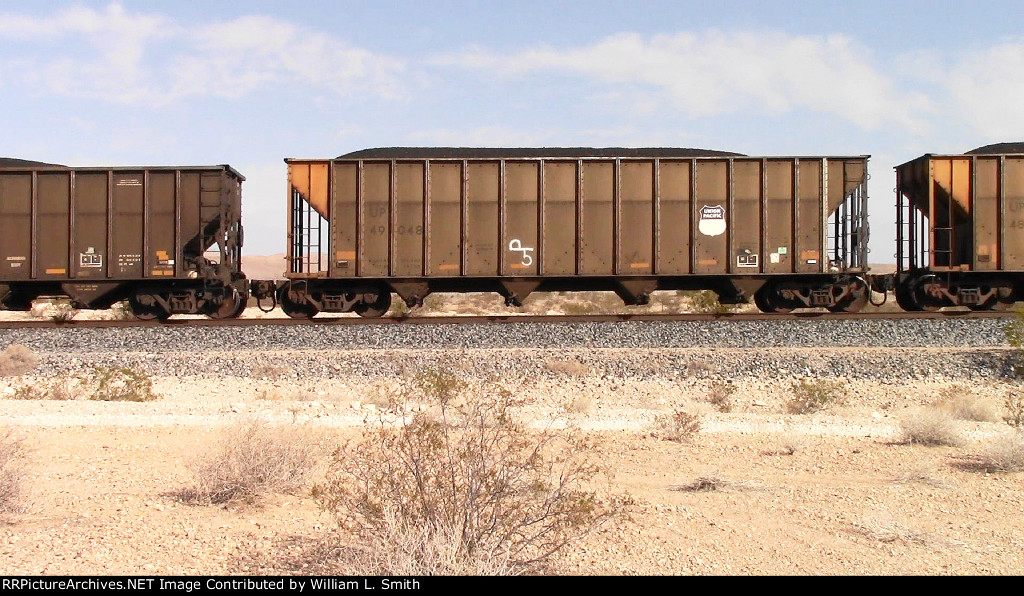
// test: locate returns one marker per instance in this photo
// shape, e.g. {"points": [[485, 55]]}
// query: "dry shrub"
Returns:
{"points": [[58, 310], [714, 482], [720, 396], [432, 386], [813, 395], [16, 360], [380, 397], [434, 302], [884, 528], [62, 311], [1014, 409], [251, 461], [116, 383], [12, 471], [706, 302], [60, 389], [704, 484], [1004, 453], [964, 405], [576, 307], [930, 425], [121, 311], [402, 549], [791, 443], [679, 426], [463, 487], [119, 383], [399, 309], [922, 472]]}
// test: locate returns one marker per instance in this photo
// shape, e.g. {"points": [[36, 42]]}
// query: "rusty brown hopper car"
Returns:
{"points": [[960, 229], [167, 239], [789, 231]]}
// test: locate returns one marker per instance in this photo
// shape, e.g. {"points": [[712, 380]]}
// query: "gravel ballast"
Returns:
{"points": [[957, 333], [962, 348]]}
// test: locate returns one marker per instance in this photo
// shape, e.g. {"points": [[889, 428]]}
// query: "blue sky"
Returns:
{"points": [[249, 83]]}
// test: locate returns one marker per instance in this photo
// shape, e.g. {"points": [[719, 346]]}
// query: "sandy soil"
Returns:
{"points": [[836, 492]]}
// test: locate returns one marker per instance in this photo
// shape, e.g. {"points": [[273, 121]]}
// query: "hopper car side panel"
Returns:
{"points": [[793, 228], [960, 231], [166, 239]]}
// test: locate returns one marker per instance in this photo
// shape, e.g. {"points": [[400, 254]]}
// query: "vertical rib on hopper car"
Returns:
{"points": [[789, 231], [167, 239]]}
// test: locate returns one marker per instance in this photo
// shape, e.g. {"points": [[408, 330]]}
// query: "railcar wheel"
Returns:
{"points": [[761, 300], [767, 301], [147, 312], [904, 300], [377, 308], [293, 309], [854, 302], [229, 308], [924, 301]]}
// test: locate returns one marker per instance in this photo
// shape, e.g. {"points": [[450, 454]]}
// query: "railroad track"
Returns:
{"points": [[511, 318]]}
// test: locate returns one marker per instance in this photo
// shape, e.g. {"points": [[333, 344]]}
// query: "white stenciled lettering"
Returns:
{"points": [[517, 246]]}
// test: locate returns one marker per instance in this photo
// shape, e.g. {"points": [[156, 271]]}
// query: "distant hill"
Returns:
{"points": [[264, 267]]}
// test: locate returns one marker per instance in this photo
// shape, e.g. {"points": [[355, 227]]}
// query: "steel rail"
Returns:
{"points": [[510, 318]]}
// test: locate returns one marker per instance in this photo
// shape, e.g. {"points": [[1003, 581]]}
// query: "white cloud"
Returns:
{"points": [[986, 89], [715, 72], [133, 58], [241, 55]]}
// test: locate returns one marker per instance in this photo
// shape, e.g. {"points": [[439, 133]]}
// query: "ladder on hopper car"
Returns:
{"points": [[847, 231], [912, 240], [943, 257], [307, 237]]}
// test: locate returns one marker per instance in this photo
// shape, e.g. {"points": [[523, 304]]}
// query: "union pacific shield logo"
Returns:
{"points": [[712, 220]]}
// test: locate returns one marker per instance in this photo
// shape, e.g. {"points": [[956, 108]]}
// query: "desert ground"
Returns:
{"points": [[755, 490], [753, 487]]}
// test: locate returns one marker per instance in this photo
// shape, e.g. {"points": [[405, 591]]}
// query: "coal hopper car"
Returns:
{"points": [[960, 229], [166, 239], [789, 232]]}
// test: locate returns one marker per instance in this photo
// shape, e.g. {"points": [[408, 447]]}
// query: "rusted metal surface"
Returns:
{"points": [[630, 221], [960, 229], [99, 235]]}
